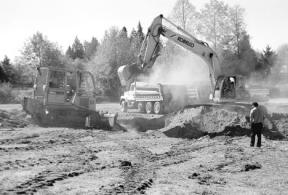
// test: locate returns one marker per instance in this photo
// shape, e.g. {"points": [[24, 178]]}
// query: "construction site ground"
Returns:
{"points": [[193, 151]]}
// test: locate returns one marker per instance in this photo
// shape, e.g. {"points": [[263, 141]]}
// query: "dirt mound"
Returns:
{"points": [[14, 119], [280, 123], [197, 122], [221, 121]]}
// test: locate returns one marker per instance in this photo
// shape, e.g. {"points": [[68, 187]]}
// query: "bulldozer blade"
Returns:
{"points": [[112, 118]]}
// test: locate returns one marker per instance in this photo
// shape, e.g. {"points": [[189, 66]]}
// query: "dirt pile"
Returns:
{"points": [[14, 119], [218, 121], [280, 122], [197, 122]]}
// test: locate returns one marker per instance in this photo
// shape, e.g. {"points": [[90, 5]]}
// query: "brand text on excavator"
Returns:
{"points": [[185, 42]]}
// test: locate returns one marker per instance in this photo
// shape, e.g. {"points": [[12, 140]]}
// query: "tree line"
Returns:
{"points": [[221, 25]]}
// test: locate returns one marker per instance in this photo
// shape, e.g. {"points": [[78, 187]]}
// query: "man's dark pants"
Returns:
{"points": [[256, 129]]}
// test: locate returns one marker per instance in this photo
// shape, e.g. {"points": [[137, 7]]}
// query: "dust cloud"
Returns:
{"points": [[185, 69], [179, 76]]}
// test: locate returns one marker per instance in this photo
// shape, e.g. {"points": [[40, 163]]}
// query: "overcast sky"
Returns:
{"points": [[62, 20]]}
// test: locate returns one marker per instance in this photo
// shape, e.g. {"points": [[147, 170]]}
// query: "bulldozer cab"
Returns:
{"points": [[63, 87]]}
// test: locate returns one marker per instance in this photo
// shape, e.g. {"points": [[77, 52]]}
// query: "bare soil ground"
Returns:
{"points": [[194, 151]]}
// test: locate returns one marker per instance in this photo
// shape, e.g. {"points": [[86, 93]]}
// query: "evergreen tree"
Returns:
{"points": [[77, 49], [266, 61], [123, 33], [242, 63], [140, 33], [3, 76], [9, 70], [136, 39], [124, 55], [69, 52], [90, 48]]}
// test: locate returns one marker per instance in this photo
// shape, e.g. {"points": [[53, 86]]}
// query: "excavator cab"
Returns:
{"points": [[67, 98], [229, 89]]}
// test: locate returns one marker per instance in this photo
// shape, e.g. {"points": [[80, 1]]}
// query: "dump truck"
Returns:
{"points": [[156, 98], [63, 97]]}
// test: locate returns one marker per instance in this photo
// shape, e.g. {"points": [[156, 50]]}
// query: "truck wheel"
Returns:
{"points": [[124, 106], [157, 108], [140, 107], [149, 107]]}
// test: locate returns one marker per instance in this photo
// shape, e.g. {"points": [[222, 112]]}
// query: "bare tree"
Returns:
{"points": [[183, 14], [236, 15], [214, 22]]}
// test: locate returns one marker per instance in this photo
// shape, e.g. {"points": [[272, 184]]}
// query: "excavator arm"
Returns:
{"points": [[150, 51]]}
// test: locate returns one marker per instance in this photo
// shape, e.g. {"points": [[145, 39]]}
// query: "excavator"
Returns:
{"points": [[224, 88]]}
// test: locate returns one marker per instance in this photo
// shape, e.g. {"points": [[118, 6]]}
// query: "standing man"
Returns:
{"points": [[256, 120]]}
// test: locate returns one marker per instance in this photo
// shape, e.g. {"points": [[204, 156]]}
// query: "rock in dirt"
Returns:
{"points": [[251, 166], [194, 175], [125, 163]]}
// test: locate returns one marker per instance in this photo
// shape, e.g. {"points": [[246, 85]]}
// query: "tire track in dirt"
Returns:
{"points": [[137, 176], [82, 160], [60, 170], [141, 175]]}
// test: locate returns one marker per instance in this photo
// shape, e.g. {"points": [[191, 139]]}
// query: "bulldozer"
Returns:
{"points": [[63, 97]]}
